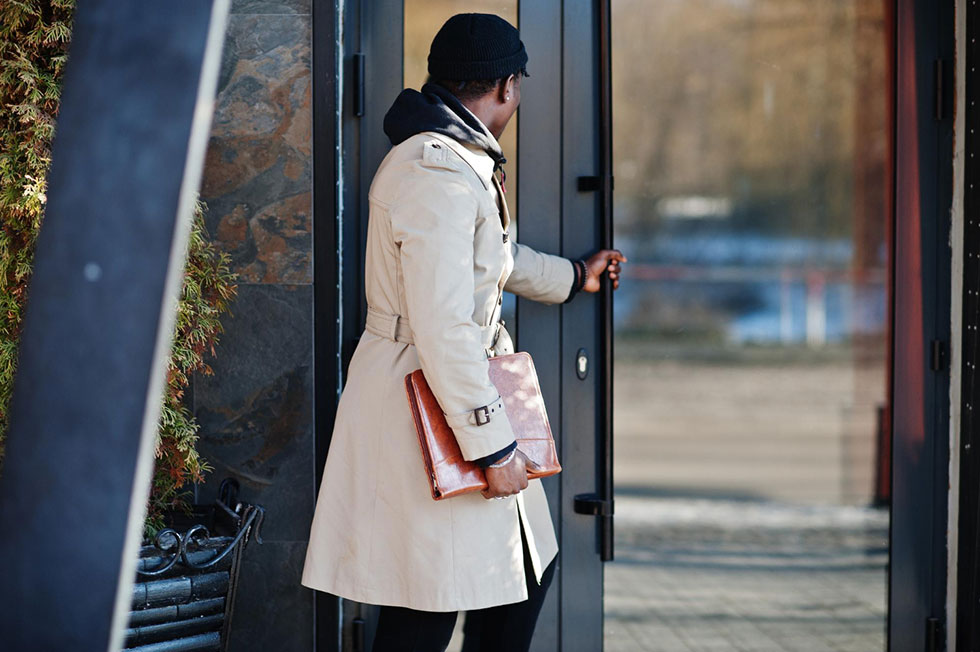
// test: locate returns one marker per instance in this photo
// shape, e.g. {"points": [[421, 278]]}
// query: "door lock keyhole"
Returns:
{"points": [[582, 364]]}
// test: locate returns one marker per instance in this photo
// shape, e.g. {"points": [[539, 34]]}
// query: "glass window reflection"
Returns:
{"points": [[751, 162]]}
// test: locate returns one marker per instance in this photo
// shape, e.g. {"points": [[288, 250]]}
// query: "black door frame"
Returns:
{"points": [[920, 449], [581, 624], [968, 533], [327, 273]]}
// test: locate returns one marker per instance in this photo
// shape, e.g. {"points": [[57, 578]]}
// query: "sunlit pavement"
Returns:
{"points": [[723, 574]]}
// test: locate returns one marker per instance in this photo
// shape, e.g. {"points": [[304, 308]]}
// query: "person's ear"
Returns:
{"points": [[507, 89]]}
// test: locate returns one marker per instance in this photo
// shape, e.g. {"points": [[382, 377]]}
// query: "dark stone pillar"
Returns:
{"points": [[256, 410]]}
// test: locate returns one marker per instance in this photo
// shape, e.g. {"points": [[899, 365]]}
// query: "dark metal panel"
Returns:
{"points": [[327, 363], [350, 249], [605, 453], [968, 570], [381, 32], [920, 417], [127, 160], [539, 217], [326, 261], [375, 30], [582, 576]]}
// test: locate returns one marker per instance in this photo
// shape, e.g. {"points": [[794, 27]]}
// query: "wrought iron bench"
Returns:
{"points": [[184, 594]]}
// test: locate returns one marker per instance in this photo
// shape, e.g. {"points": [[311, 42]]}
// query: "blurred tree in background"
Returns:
{"points": [[755, 101]]}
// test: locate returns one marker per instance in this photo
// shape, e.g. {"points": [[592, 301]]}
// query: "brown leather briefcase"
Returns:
{"points": [[517, 383]]}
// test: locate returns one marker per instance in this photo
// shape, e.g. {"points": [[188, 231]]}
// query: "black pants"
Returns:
{"points": [[494, 629]]}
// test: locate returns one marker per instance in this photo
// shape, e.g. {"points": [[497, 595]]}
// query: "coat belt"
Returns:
{"points": [[395, 327]]}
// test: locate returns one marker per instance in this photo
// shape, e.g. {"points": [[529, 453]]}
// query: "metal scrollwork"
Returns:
{"points": [[176, 547]]}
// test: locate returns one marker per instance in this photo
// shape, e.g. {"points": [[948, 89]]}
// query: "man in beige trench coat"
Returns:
{"points": [[438, 258]]}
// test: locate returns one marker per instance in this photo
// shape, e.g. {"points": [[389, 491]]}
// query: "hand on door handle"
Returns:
{"points": [[605, 260]]}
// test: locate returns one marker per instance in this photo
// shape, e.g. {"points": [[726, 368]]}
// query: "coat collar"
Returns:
{"points": [[476, 158], [482, 164]]}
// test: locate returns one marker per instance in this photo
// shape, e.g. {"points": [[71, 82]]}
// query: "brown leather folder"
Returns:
{"points": [[516, 381]]}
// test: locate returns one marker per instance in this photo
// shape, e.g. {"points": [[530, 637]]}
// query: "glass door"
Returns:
{"points": [[753, 199]]}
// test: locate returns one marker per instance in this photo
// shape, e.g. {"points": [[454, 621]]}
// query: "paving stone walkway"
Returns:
{"points": [[706, 574]]}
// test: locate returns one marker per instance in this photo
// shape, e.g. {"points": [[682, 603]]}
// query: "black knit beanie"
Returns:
{"points": [[476, 46]]}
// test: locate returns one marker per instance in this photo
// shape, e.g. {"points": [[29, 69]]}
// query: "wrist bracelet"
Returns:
{"points": [[584, 269], [503, 462]]}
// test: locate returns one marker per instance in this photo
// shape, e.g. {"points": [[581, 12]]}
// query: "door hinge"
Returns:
{"points": [[939, 89], [359, 84], [934, 635], [938, 357], [591, 183]]}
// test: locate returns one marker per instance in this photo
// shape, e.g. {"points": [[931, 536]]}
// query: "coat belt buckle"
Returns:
{"points": [[486, 413]]}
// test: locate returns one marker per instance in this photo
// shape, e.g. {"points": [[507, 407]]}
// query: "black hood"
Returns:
{"points": [[436, 109]]}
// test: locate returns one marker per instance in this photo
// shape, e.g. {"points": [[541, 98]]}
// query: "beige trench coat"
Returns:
{"points": [[436, 263]]}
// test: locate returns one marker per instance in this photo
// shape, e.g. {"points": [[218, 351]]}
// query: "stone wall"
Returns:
{"points": [[256, 410]]}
